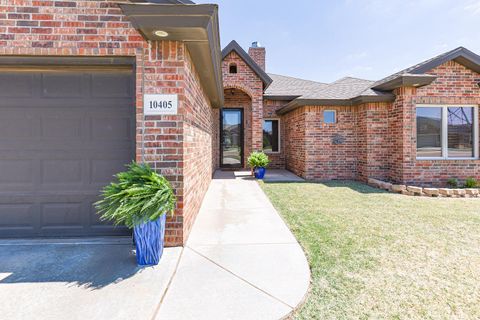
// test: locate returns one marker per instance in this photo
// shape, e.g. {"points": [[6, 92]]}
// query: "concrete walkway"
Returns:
{"points": [[278, 175], [241, 260]]}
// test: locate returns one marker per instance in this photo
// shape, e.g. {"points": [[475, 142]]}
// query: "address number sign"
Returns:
{"points": [[160, 104]]}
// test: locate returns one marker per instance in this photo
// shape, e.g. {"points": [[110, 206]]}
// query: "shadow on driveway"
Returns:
{"points": [[88, 266]]}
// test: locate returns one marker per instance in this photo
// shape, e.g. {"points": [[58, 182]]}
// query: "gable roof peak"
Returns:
{"points": [[234, 46], [460, 55], [348, 78]]}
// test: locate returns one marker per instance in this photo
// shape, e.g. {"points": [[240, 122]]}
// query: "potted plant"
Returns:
{"points": [[140, 200], [258, 161]]}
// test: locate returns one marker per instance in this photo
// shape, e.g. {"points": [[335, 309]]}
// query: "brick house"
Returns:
{"points": [[88, 86]]}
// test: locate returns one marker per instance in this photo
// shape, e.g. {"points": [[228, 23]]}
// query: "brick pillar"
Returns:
{"points": [[257, 123], [402, 134], [163, 69]]}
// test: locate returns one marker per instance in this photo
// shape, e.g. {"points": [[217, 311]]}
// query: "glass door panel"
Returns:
{"points": [[232, 138]]}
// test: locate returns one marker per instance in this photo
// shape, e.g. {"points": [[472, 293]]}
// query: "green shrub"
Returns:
{"points": [[471, 183], [452, 183], [139, 196], [258, 160]]}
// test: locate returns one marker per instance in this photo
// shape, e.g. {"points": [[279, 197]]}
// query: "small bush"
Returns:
{"points": [[258, 160], [452, 183], [471, 183]]}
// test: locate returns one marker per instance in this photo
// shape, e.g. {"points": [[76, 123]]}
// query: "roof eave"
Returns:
{"points": [[301, 102], [281, 97], [195, 25], [406, 80], [387, 97], [461, 55]]}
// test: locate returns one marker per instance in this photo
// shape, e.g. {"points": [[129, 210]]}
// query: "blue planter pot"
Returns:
{"points": [[260, 173], [149, 241]]}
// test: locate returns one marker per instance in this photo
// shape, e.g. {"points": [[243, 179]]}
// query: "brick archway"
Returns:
{"points": [[240, 87]]}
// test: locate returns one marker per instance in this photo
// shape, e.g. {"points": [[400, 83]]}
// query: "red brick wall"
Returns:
{"points": [[98, 28], [295, 147], [373, 148], [326, 160], [362, 154], [380, 138], [455, 84], [277, 159], [198, 131], [247, 81]]}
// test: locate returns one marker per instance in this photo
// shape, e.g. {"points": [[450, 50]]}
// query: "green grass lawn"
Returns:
{"points": [[380, 255]]}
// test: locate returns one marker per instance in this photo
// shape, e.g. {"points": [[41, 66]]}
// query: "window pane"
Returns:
{"points": [[460, 132], [429, 132], [329, 116], [270, 136]]}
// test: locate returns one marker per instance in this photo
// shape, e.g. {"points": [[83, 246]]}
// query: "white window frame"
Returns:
{"points": [[334, 115], [279, 135], [444, 132]]}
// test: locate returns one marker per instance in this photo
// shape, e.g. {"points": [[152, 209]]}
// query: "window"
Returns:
{"points": [[233, 68], [329, 116], [429, 132], [447, 132], [271, 135]]}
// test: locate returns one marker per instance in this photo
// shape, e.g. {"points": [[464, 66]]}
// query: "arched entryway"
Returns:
{"points": [[235, 129]]}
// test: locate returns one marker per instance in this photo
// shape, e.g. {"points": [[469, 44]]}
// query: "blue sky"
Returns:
{"points": [[326, 40]]}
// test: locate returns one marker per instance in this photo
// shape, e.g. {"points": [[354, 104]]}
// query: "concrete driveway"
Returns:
{"points": [[94, 279], [241, 262]]}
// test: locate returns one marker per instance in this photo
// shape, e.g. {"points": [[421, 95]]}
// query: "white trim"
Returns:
{"points": [[476, 153], [476, 142], [335, 116], [279, 135], [444, 110]]}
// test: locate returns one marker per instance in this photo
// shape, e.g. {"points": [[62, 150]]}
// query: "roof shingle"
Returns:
{"points": [[289, 86]]}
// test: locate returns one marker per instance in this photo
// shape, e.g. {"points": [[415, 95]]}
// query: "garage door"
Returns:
{"points": [[64, 131]]}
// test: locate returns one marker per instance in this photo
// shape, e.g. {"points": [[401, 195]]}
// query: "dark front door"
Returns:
{"points": [[231, 149], [63, 133]]}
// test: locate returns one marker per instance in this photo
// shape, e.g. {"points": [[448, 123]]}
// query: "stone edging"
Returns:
{"points": [[427, 192]]}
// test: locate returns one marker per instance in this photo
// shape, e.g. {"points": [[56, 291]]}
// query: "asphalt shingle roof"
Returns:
{"points": [[345, 88], [289, 86], [349, 87], [342, 89]]}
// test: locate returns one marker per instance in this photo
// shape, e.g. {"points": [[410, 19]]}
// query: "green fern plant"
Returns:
{"points": [[139, 196], [258, 160]]}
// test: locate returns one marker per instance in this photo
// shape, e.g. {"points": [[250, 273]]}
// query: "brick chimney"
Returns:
{"points": [[258, 53]]}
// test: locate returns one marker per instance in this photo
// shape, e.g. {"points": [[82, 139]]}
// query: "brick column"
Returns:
{"points": [[257, 123], [162, 146], [401, 133]]}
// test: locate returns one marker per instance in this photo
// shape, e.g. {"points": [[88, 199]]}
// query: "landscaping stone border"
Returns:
{"points": [[427, 192]]}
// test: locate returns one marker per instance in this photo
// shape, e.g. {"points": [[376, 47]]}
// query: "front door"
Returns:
{"points": [[231, 138]]}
